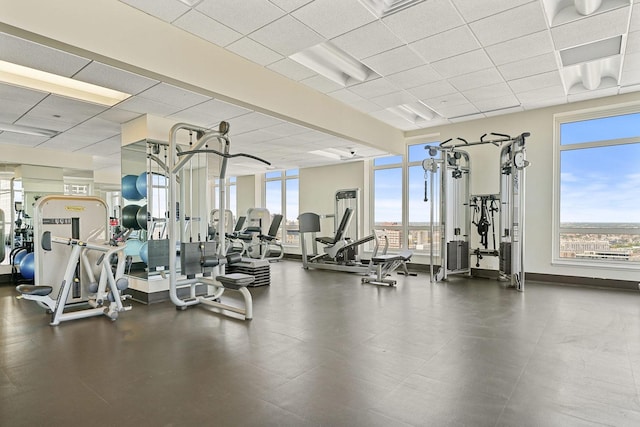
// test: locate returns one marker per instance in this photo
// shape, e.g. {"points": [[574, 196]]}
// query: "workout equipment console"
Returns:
{"points": [[106, 298]]}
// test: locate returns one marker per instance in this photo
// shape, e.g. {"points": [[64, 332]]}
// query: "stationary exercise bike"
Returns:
{"points": [[106, 298]]}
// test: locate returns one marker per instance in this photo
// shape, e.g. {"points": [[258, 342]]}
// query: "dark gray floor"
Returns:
{"points": [[325, 350]]}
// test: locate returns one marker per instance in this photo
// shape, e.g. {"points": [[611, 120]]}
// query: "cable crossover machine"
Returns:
{"points": [[454, 213], [202, 262]]}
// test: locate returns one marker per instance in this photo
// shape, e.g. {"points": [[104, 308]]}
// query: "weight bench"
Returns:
{"points": [[383, 265]]}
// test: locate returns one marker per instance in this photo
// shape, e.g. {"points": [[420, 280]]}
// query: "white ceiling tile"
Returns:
{"points": [[332, 18], [243, 16], [393, 61], [498, 103], [466, 117], [423, 20], [539, 96], [29, 54], [488, 92], [531, 45], [202, 114], [287, 129], [510, 24], [635, 20], [10, 138], [346, 96], [373, 88], [630, 88], [114, 78], [286, 36], [463, 64], [321, 84], [433, 90], [291, 69], [172, 95], [141, 105], [592, 28], [538, 81], [117, 115], [165, 10], [395, 98], [71, 112], [107, 147], [16, 101], [472, 10], [476, 79], [593, 94], [502, 110], [254, 51], [453, 111], [364, 106], [447, 44], [251, 121], [221, 110], [368, 40], [290, 5], [633, 42], [254, 136], [528, 67], [209, 29], [414, 77], [448, 100]]}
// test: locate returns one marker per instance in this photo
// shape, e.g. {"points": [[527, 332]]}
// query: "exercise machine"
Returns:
{"points": [[201, 261], [270, 248], [508, 205], [382, 265], [106, 297]]}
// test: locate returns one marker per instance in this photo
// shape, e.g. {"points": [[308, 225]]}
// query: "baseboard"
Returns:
{"points": [[583, 281]]}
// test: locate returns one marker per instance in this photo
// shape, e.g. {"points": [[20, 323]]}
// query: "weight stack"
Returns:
{"points": [[258, 268], [457, 255], [505, 257]]}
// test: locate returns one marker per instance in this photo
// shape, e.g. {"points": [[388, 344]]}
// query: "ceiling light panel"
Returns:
{"points": [[510, 24], [591, 51], [592, 28], [393, 61], [242, 16], [168, 11], [447, 44], [332, 18], [423, 20], [367, 40], [559, 12], [27, 130], [209, 29], [286, 36]]}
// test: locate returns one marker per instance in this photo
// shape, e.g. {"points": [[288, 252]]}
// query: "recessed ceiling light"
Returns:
{"points": [[591, 51], [28, 130], [30, 78]]}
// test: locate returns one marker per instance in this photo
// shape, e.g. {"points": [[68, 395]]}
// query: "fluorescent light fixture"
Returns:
{"points": [[28, 130], [414, 113], [382, 8], [30, 78], [327, 154], [333, 63], [591, 51], [587, 7]]}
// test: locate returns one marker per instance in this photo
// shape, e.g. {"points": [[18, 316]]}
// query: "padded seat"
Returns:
{"points": [[403, 256], [235, 281], [34, 290]]}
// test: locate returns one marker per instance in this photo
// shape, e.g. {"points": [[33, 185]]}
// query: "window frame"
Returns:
{"points": [[283, 177], [558, 149]]}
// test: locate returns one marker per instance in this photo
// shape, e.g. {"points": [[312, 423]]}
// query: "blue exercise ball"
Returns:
{"points": [[144, 252], [28, 266], [132, 247], [141, 184], [18, 257], [129, 190]]}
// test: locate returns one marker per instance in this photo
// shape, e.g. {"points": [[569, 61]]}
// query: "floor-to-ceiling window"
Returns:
{"points": [[281, 197]]}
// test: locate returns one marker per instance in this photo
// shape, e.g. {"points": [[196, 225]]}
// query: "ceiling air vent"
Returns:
{"points": [[382, 8]]}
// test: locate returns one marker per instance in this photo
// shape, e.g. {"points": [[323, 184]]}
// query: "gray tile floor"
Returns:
{"points": [[325, 350]]}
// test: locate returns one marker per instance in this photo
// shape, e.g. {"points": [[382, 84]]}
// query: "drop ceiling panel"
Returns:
{"points": [[291, 69], [254, 51], [498, 103], [117, 115], [104, 148], [331, 18], [290, 5], [368, 40], [67, 142], [423, 20], [178, 97], [114, 78], [529, 67], [394, 99], [10, 138], [635, 19], [141, 105], [473, 10], [373, 88], [488, 92], [29, 54], [346, 96], [16, 101], [393, 61], [447, 44], [251, 121], [439, 102], [364, 106], [633, 42], [510, 24], [433, 90], [286, 129], [414, 77], [321, 84], [242, 16], [71, 112], [463, 64], [541, 96], [286, 36], [592, 94], [538, 81], [201, 25], [476, 79], [166, 10], [452, 111], [531, 45], [253, 137], [592, 28]]}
